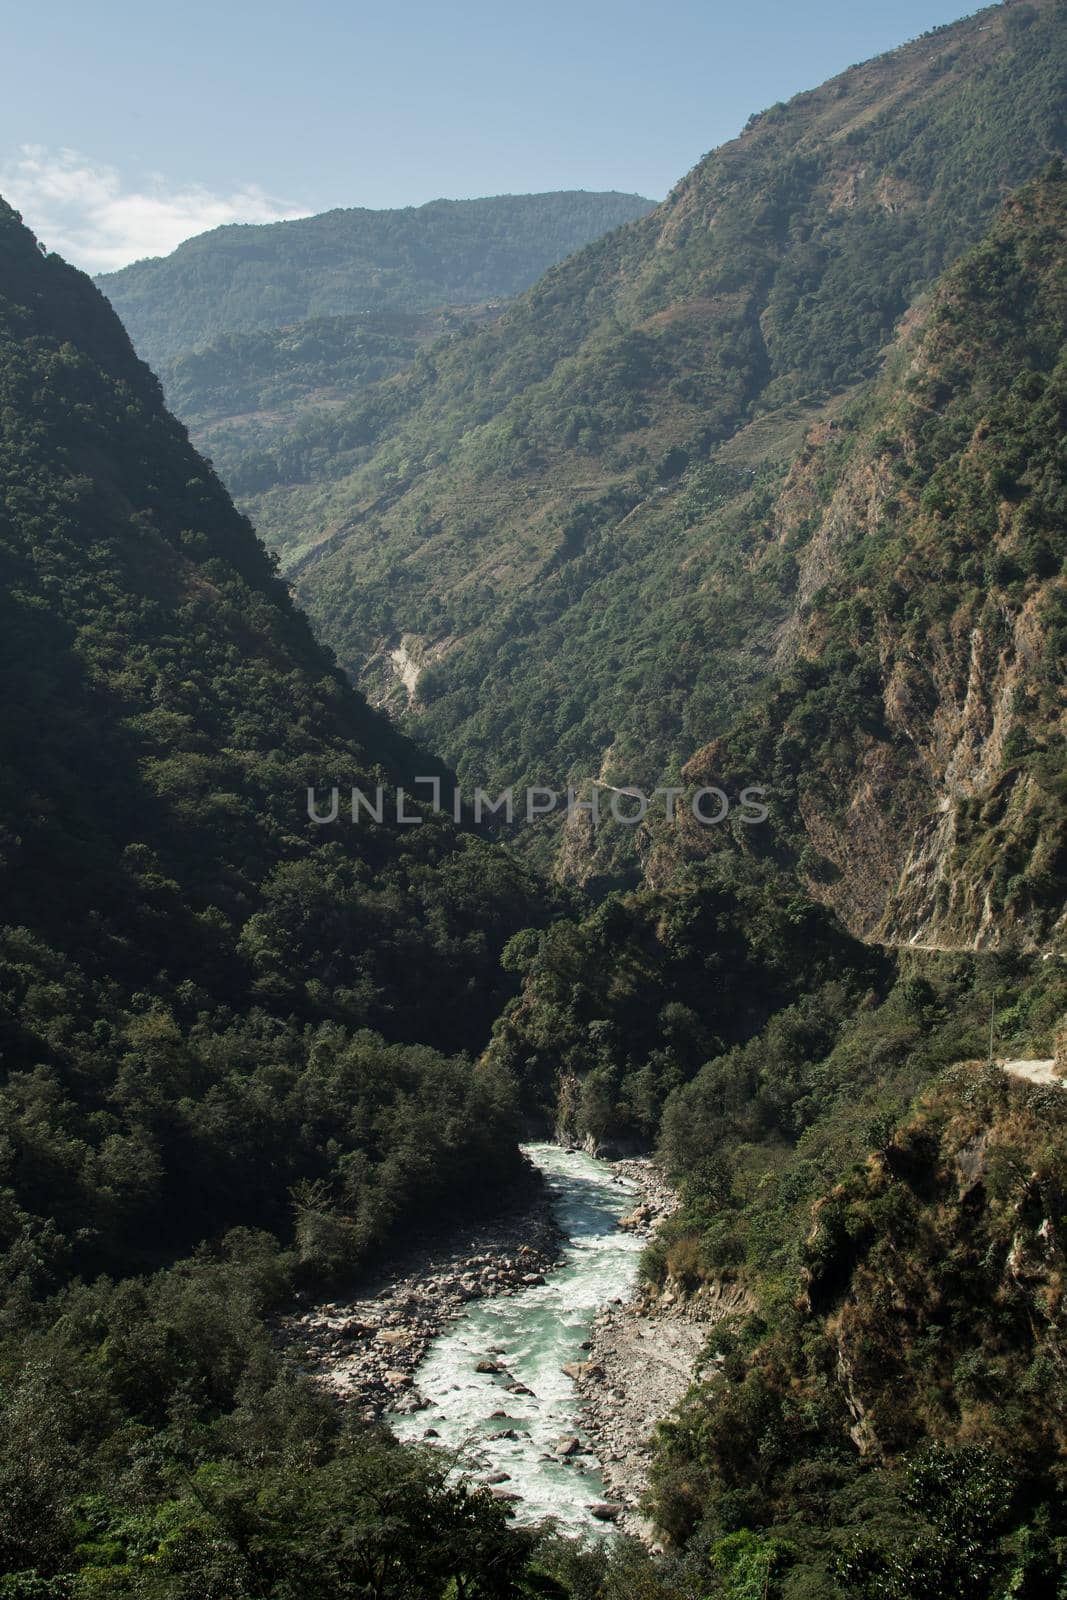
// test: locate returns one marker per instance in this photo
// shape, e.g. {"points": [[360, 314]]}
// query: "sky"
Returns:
{"points": [[126, 127]]}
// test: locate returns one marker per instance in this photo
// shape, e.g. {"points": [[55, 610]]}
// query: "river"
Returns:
{"points": [[532, 1334]]}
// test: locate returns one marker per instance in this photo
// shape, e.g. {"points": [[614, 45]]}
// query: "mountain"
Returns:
{"points": [[271, 275], [561, 528], [912, 731], [260, 333], [765, 488], [871, 1204], [205, 998]]}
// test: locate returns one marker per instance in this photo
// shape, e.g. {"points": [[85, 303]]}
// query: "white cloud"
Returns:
{"points": [[82, 209]]}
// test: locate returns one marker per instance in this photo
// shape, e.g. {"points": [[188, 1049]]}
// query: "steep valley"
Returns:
{"points": [[372, 1191], [596, 532]]}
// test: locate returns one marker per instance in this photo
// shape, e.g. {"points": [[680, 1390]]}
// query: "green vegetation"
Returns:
{"points": [[273, 368], [253, 400], [676, 513], [619, 1010], [204, 999], [272, 275], [575, 515]]}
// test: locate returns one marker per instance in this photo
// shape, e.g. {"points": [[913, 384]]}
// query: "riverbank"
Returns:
{"points": [[364, 1348], [544, 1428], [643, 1355], [499, 1380]]}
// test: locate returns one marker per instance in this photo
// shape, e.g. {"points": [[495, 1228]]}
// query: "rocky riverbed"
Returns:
{"points": [[365, 1348], [635, 1361], [643, 1354]]}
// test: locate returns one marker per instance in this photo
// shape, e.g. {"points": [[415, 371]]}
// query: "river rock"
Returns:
{"points": [[409, 1404], [569, 1445], [605, 1511], [582, 1371], [639, 1217]]}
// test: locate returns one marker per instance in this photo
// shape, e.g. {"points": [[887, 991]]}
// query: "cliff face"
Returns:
{"points": [[955, 1224], [917, 723]]}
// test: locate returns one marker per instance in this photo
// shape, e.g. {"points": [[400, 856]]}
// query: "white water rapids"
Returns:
{"points": [[532, 1334]]}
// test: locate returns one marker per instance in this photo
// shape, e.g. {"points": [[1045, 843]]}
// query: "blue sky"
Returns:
{"points": [[125, 127]]}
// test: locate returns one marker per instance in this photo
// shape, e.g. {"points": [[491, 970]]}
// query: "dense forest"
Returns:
{"points": [[196, 978], [768, 486]]}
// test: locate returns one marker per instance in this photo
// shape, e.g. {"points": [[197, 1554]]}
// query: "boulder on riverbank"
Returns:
{"points": [[582, 1371]]}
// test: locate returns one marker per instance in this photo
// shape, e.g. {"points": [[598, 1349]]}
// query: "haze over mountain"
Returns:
{"points": [[258, 332], [272, 275]]}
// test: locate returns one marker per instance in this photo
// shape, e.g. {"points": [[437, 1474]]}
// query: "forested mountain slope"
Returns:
{"points": [[188, 966], [913, 733], [214, 1017], [260, 333], [271, 275], [892, 1425], [567, 517]]}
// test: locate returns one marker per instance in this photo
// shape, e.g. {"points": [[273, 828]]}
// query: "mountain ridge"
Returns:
{"points": [[246, 276], [186, 961]]}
